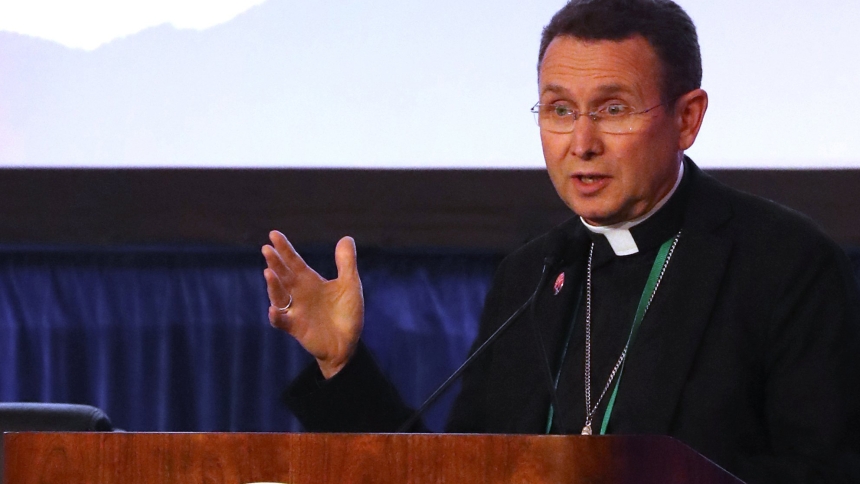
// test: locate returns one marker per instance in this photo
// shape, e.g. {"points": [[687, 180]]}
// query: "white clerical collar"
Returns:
{"points": [[619, 236]]}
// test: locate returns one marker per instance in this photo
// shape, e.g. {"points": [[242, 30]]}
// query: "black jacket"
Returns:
{"points": [[750, 353]]}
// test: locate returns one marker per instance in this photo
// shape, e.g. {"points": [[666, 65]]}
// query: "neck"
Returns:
{"points": [[638, 220], [618, 235]]}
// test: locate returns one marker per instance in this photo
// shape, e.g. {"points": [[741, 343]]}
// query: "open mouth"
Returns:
{"points": [[589, 179]]}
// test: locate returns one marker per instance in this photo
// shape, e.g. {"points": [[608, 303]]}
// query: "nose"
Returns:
{"points": [[586, 142]]}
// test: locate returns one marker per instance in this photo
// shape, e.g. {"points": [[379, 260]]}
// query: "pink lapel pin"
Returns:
{"points": [[559, 283]]}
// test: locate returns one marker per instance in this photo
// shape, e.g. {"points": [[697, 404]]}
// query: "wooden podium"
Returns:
{"points": [[240, 458]]}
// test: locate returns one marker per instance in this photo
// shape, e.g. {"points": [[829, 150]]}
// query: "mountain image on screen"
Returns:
{"points": [[392, 84]]}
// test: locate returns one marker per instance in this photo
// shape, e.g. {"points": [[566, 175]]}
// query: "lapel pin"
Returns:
{"points": [[559, 283]]}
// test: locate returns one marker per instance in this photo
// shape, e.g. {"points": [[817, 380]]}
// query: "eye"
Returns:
{"points": [[616, 109], [561, 110]]}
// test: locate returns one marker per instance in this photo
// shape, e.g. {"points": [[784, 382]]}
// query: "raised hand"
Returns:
{"points": [[326, 317]]}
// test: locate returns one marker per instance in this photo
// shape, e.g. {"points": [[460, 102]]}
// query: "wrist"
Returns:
{"points": [[329, 369]]}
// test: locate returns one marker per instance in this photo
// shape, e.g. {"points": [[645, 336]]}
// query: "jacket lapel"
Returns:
{"points": [[553, 312], [549, 320], [666, 347]]}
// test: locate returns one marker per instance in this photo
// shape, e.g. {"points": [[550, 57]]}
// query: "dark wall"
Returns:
{"points": [[488, 209]]}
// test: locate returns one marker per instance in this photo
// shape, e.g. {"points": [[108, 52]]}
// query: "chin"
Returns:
{"points": [[605, 213], [594, 215], [595, 219]]}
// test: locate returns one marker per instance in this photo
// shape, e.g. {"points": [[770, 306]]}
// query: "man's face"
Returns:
{"points": [[609, 178]]}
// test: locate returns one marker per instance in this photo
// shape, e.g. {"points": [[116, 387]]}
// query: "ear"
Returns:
{"points": [[689, 112]]}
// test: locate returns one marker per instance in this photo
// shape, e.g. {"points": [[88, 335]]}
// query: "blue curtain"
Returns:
{"points": [[177, 339]]}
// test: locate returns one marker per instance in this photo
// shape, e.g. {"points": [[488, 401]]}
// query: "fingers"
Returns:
{"points": [[285, 250], [278, 319], [279, 295], [278, 298], [282, 276], [345, 259], [277, 264]]}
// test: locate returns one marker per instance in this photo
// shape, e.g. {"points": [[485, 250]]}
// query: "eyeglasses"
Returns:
{"points": [[614, 118]]}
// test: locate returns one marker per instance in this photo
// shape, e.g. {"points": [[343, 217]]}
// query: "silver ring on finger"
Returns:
{"points": [[286, 308]]}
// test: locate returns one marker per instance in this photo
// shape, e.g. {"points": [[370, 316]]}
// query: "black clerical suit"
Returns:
{"points": [[749, 353]]}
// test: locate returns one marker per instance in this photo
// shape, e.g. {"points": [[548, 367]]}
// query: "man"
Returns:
{"points": [[732, 322]]}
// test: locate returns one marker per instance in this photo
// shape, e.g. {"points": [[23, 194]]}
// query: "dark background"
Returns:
{"points": [[477, 209], [141, 291]]}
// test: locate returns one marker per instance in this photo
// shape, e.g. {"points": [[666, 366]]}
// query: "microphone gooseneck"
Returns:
{"points": [[554, 248]]}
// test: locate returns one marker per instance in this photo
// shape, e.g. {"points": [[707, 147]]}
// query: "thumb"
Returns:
{"points": [[345, 258]]}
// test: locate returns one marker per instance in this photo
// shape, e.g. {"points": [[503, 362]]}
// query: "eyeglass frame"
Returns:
{"points": [[593, 115]]}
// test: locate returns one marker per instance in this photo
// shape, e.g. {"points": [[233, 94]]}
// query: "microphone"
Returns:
{"points": [[555, 247], [554, 250]]}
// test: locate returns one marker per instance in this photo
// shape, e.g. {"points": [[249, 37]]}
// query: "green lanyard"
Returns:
{"points": [[644, 301]]}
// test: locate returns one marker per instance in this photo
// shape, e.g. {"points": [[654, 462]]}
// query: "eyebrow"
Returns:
{"points": [[613, 89], [603, 90], [554, 88]]}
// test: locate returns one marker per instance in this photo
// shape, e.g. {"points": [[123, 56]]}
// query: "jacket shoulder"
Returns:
{"points": [[751, 219]]}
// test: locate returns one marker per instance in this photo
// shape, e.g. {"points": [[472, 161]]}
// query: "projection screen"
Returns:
{"points": [[386, 83]]}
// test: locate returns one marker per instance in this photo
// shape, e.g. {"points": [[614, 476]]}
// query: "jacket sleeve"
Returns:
{"points": [[358, 399], [812, 396]]}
